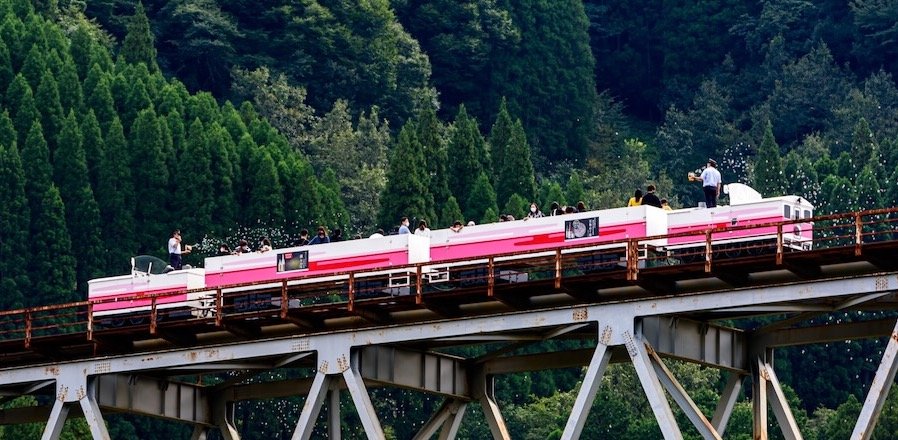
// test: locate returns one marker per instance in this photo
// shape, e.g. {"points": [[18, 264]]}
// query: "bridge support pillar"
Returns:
{"points": [[673, 387], [587, 393], [447, 419], [766, 387], [333, 414], [637, 349], [727, 402], [491, 408], [879, 390], [318, 393], [72, 387], [224, 418]]}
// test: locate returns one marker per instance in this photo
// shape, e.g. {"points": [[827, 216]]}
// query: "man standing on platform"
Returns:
{"points": [[711, 183]]}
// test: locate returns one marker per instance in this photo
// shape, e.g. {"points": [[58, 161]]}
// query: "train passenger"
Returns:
{"points": [[264, 245], [422, 229], [303, 238], [224, 249], [570, 210], [471, 223], [650, 198], [534, 211], [403, 226], [554, 209], [337, 235], [242, 248], [377, 234], [711, 183], [456, 227], [665, 205], [174, 250], [321, 237], [581, 207], [636, 200]]}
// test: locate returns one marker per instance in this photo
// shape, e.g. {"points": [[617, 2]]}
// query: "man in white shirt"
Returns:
{"points": [[711, 181], [174, 250]]}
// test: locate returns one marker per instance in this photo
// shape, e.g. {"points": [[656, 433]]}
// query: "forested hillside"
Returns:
{"points": [[230, 119]]}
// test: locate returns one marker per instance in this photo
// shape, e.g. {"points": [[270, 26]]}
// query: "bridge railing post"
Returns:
{"points": [[419, 286], [154, 315], [218, 307], [285, 302], [779, 244], [491, 277], [90, 321], [350, 306], [632, 255], [708, 251], [858, 234], [557, 268], [28, 326]]}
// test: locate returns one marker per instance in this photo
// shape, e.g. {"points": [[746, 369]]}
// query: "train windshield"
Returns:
{"points": [[149, 264]]}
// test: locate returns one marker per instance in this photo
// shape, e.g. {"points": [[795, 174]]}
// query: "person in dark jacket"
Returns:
{"points": [[321, 238], [650, 198]]}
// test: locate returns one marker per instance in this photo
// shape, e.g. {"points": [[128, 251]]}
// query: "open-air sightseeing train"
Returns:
{"points": [[385, 260]]}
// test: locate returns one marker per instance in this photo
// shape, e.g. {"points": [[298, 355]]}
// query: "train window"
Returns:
{"points": [[787, 211], [796, 212], [807, 213]]}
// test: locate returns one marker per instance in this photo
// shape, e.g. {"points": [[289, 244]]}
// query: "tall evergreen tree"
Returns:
{"points": [[482, 201], [864, 150], [431, 136], [552, 64], [406, 193], [38, 170], [82, 213], [767, 173], [451, 213], [34, 66], [574, 190], [194, 198], [93, 146], [70, 93], [223, 156], [47, 101], [8, 135], [51, 254], [500, 135], [516, 175], [115, 194], [6, 72], [138, 46], [151, 179], [100, 100], [466, 148], [265, 206], [20, 99], [15, 218]]}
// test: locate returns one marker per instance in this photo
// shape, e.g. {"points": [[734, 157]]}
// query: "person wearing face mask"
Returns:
{"points": [[534, 211], [321, 237], [403, 226]]}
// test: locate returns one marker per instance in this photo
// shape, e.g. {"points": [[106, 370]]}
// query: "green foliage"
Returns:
{"points": [[451, 213], [52, 254], [15, 221], [47, 101], [82, 216], [515, 171], [552, 64], [38, 170], [116, 199], [481, 205], [517, 206], [151, 177], [264, 206], [767, 172], [138, 46], [406, 193], [467, 156], [195, 195]]}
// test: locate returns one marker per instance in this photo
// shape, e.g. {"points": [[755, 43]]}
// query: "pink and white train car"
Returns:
{"points": [[130, 294], [321, 259], [547, 233], [747, 208]]}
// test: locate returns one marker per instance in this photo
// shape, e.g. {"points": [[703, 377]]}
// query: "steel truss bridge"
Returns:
{"points": [[630, 302]]}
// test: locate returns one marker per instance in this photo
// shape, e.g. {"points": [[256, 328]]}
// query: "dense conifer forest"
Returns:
{"points": [[229, 119]]}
